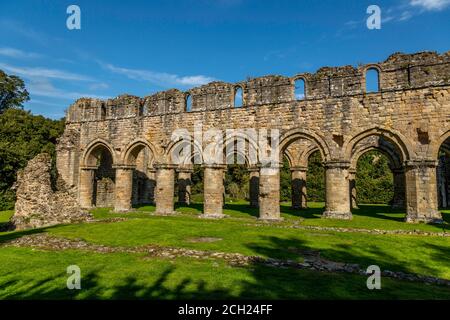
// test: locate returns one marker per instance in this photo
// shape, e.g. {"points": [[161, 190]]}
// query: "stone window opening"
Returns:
{"points": [[188, 102], [103, 113], [141, 110], [238, 97], [372, 79], [299, 89]]}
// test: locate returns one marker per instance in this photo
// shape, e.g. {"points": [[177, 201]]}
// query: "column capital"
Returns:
{"points": [[165, 166], [88, 168], [124, 166], [270, 165], [337, 164], [214, 166], [299, 168], [253, 169], [418, 163]]}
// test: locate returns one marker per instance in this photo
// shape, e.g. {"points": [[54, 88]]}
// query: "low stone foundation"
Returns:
{"points": [[38, 204]]}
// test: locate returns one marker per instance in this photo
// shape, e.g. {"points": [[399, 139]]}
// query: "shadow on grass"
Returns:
{"points": [[380, 212], [11, 235], [259, 282]]}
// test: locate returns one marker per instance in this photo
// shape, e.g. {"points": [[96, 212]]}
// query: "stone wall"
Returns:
{"points": [[38, 205], [408, 118]]}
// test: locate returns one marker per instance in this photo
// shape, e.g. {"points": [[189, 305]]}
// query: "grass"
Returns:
{"points": [[380, 217], [42, 273]]}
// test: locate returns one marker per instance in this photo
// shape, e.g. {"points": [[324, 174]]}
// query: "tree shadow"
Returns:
{"points": [[260, 281], [11, 235], [244, 208], [306, 213], [380, 212]]}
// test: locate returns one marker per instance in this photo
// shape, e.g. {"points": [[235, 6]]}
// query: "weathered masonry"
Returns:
{"points": [[118, 152]]}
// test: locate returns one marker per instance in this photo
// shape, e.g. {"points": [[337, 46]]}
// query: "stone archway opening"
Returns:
{"points": [[377, 177], [135, 177], [301, 177], [443, 175], [144, 180], [97, 177], [104, 180]]}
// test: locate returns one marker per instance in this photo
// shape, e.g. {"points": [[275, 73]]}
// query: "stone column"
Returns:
{"points": [[254, 186], [398, 202], [352, 184], [150, 186], [269, 192], [213, 191], [184, 185], [298, 187], [165, 189], [337, 190], [124, 188], [86, 189], [421, 191]]}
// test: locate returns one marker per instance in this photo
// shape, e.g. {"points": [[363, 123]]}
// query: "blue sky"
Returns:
{"points": [[141, 47]]}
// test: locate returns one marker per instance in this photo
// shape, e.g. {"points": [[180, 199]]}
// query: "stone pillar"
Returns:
{"points": [[398, 202], [165, 189], [254, 186], [184, 185], [298, 187], [150, 186], [269, 193], [86, 189], [213, 191], [352, 184], [124, 188], [337, 190], [421, 191]]}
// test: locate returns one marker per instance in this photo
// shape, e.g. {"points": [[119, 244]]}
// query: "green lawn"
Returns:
{"points": [[42, 273]]}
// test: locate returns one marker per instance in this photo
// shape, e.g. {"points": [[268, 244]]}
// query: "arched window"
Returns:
{"points": [[299, 89], [141, 110], [103, 113], [238, 97], [372, 80], [188, 103]]}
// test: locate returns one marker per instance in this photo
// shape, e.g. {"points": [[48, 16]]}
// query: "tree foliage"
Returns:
{"points": [[22, 137], [374, 181], [12, 92]]}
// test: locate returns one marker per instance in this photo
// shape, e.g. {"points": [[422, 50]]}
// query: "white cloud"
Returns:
{"points": [[430, 4], [19, 54], [98, 86], [160, 78], [43, 73], [44, 88]]}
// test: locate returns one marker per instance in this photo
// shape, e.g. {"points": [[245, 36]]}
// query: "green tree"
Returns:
{"points": [[22, 137], [315, 178], [374, 181], [12, 92]]}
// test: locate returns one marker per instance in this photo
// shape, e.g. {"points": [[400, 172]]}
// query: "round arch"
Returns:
{"points": [[295, 134], [133, 149], [177, 146], [397, 139], [92, 148], [436, 144], [250, 154], [390, 154]]}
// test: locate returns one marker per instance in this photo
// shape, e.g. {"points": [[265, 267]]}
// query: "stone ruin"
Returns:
{"points": [[119, 152], [38, 204]]}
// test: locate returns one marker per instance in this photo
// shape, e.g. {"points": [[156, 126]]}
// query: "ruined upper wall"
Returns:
{"points": [[398, 72]]}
